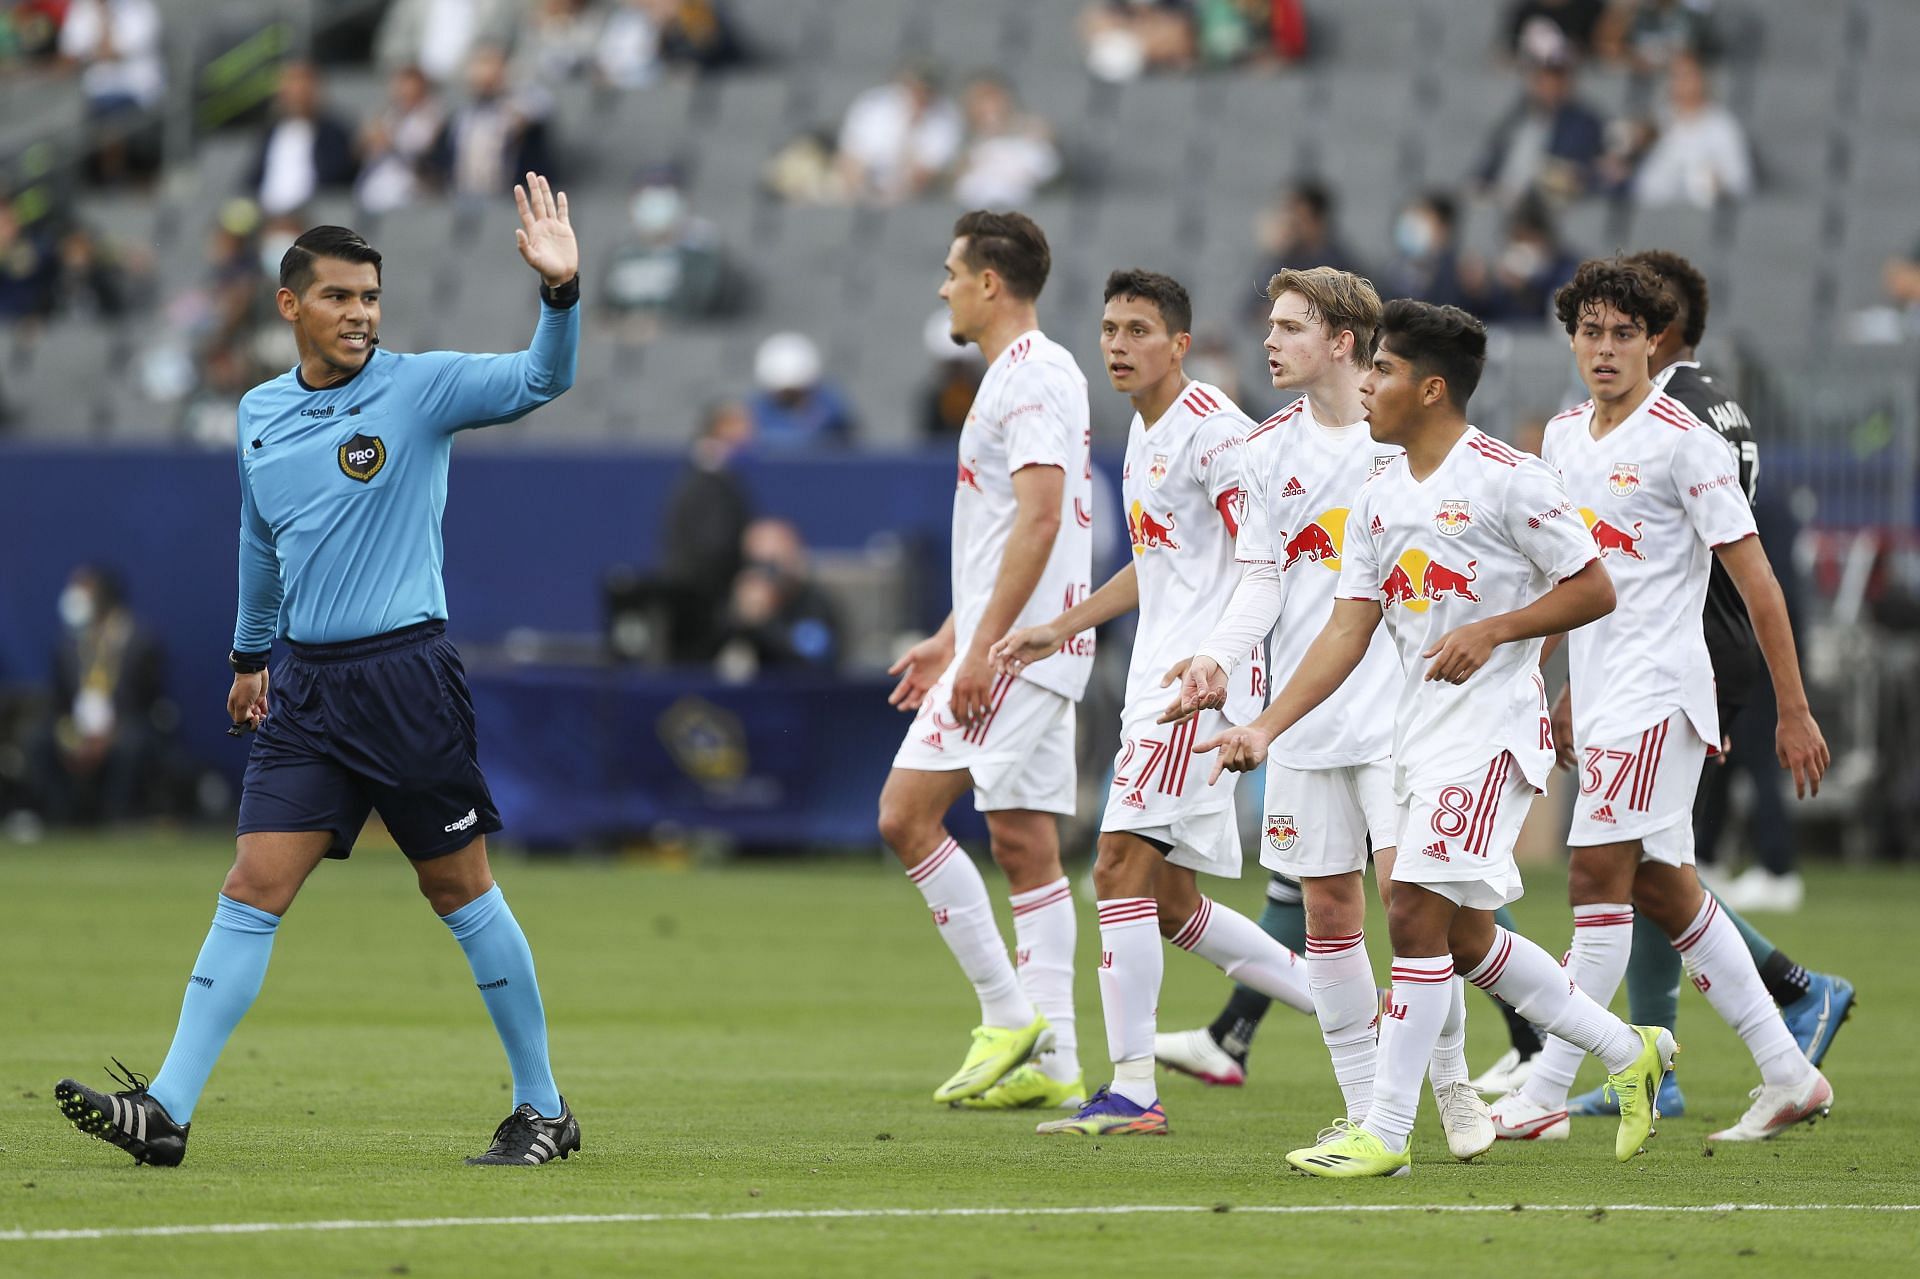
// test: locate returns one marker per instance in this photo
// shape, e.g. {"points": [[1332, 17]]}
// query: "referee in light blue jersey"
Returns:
{"points": [[343, 478]]}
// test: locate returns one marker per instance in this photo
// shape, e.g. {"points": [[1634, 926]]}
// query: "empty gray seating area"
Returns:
{"points": [[1166, 172]]}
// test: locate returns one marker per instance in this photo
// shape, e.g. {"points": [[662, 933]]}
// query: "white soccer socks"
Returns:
{"points": [[1721, 967], [957, 896], [1416, 1009], [1449, 1064], [1044, 934], [1602, 945], [1131, 966], [1526, 979], [1340, 979], [1243, 951]]}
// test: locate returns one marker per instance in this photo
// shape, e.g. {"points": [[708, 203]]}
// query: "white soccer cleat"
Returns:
{"points": [[1193, 1052], [1777, 1108], [1466, 1119], [1504, 1076], [1517, 1117]]}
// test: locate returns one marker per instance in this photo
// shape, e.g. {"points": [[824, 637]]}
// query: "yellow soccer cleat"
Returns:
{"points": [[996, 1050], [1348, 1150], [1028, 1087], [1637, 1089]]}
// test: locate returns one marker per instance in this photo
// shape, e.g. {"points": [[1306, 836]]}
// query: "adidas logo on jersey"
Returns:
{"points": [[1294, 487], [1134, 800], [1437, 850], [1377, 529], [1604, 813], [932, 739]]}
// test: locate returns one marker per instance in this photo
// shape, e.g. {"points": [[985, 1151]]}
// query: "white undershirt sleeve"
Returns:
{"points": [[1249, 619]]}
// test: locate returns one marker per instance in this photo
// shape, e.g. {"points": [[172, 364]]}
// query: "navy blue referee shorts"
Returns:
{"points": [[383, 723]]}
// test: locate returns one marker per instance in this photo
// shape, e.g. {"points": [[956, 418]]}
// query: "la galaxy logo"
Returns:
{"points": [[1452, 518], [1624, 479], [362, 457]]}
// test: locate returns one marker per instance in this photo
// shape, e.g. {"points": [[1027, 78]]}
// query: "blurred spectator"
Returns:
{"points": [[946, 397], [628, 52], [397, 144], [27, 269], [494, 137], [1898, 318], [779, 619], [440, 36], [305, 150], [1532, 264], [1901, 276], [1549, 28], [671, 265], [1231, 32], [795, 406], [94, 280], [1008, 155], [1700, 156], [705, 521], [698, 34], [1213, 360], [1430, 265], [1127, 38], [116, 44], [558, 42], [30, 29], [1646, 35], [898, 137], [1298, 231], [101, 743], [805, 170], [1549, 142]]}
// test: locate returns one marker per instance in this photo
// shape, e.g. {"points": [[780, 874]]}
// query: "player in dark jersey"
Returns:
{"points": [[1814, 1004]]}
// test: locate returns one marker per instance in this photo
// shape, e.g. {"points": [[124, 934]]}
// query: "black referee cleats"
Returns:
{"points": [[524, 1138], [130, 1119]]}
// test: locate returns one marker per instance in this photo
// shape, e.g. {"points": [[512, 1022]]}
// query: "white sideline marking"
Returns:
{"points": [[843, 1214]]}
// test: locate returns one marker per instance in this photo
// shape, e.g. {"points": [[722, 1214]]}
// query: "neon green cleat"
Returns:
{"points": [[1637, 1089], [1028, 1087], [996, 1050], [1348, 1150]]}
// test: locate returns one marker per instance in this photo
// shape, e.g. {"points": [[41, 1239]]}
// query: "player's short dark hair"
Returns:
{"points": [[1011, 245], [1684, 280], [296, 264], [1438, 341], [1340, 299], [1632, 289], [1168, 295]]}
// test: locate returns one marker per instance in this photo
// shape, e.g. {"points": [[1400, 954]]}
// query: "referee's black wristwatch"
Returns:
{"points": [[562, 297], [247, 663]]}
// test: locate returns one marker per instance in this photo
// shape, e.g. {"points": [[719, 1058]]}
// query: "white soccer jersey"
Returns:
{"points": [[1490, 531], [1184, 495], [1659, 492], [1302, 477], [1031, 410]]}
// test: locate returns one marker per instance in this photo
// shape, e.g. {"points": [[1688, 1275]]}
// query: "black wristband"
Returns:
{"points": [[562, 297], [247, 663]]}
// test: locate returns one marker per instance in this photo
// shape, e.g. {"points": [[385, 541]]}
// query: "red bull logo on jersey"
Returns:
{"points": [[1610, 537], [1623, 479], [1149, 532], [1282, 834], [969, 475], [1418, 581], [1319, 542], [1453, 518], [1158, 471]]}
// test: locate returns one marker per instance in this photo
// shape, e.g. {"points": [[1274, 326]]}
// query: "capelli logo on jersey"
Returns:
{"points": [[326, 412], [362, 457]]}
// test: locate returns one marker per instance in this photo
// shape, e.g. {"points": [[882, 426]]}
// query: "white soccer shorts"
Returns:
{"points": [[1457, 839], [1160, 791], [1020, 757], [1642, 788], [1320, 821]]}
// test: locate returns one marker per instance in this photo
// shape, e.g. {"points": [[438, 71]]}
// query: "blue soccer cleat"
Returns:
{"points": [[1816, 1017], [1108, 1114], [1670, 1104]]}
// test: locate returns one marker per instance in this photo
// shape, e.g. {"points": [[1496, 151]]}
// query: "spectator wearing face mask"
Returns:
{"points": [[796, 407], [671, 265], [102, 739], [1532, 265], [1430, 265]]}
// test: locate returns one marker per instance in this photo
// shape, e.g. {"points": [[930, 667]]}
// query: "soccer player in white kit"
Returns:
{"points": [[1329, 795], [1660, 491], [1165, 820], [1472, 553], [1022, 549]]}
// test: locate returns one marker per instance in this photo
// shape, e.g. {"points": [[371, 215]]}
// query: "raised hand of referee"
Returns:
{"points": [[545, 237]]}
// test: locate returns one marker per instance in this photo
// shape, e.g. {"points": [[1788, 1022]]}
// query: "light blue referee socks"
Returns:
{"points": [[226, 978], [503, 969]]}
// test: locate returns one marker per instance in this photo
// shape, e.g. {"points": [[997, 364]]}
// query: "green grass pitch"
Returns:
{"points": [[764, 1039]]}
